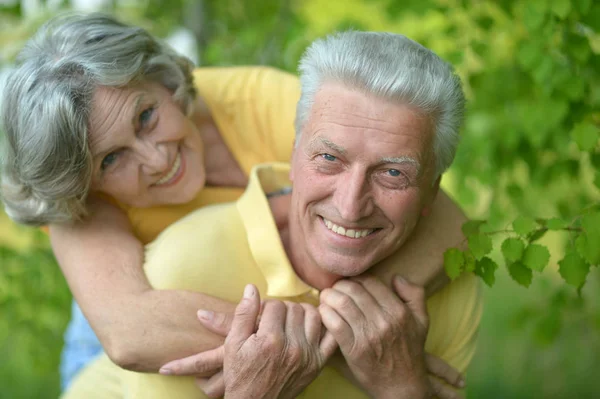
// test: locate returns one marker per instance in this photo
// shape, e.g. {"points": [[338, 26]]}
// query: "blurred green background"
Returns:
{"points": [[530, 147]]}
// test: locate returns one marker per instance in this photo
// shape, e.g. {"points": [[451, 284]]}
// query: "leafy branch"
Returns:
{"points": [[520, 252]]}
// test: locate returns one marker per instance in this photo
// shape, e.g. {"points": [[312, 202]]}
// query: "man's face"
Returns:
{"points": [[362, 173]]}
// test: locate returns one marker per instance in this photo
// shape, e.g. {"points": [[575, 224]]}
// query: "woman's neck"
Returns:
{"points": [[221, 167]]}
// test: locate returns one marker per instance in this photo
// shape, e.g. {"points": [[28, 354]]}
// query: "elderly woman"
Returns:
{"points": [[111, 137]]}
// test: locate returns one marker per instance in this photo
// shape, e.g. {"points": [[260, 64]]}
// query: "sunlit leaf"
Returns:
{"points": [[454, 260], [536, 257], [524, 225], [480, 245], [574, 269], [512, 249]]}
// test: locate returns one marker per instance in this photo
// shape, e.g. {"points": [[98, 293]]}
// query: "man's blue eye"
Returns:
{"points": [[145, 116], [394, 172], [328, 157], [108, 160]]}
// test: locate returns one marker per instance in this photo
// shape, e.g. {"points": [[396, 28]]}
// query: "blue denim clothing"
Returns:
{"points": [[81, 346]]}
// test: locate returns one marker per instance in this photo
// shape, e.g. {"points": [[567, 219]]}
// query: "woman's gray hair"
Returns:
{"points": [[47, 167], [389, 66]]}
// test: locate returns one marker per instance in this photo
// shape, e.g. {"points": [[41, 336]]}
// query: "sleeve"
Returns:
{"points": [[455, 314], [274, 107]]}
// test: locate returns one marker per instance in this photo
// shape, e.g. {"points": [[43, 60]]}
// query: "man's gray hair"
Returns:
{"points": [[392, 67], [45, 110]]}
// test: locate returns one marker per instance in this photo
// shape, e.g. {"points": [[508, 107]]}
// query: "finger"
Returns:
{"points": [[344, 306], [217, 322], [244, 319], [338, 327], [312, 323], [272, 320], [439, 368], [213, 387], [443, 391], [203, 364], [382, 294], [363, 299], [414, 297], [328, 346], [294, 321]]}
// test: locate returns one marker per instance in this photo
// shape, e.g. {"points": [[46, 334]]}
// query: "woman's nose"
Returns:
{"points": [[153, 157]]}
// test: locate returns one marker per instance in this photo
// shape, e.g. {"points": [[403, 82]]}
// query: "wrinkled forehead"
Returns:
{"points": [[344, 116]]}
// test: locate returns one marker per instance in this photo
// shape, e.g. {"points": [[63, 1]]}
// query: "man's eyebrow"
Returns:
{"points": [[403, 160], [327, 143]]}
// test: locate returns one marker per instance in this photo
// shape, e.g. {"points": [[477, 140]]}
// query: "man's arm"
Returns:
{"points": [[140, 328]]}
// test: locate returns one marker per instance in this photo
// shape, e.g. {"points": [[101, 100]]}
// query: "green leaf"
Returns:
{"points": [[480, 245], [536, 235], [536, 257], [597, 180], [588, 249], [583, 5], [561, 8], [512, 249], [524, 225], [586, 136], [454, 260], [469, 262], [471, 227], [486, 268], [591, 225], [556, 224], [520, 273], [573, 269]]}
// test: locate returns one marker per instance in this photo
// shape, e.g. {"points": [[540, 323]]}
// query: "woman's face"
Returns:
{"points": [[146, 152]]}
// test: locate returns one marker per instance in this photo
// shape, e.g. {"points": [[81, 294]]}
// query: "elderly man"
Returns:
{"points": [[377, 125]]}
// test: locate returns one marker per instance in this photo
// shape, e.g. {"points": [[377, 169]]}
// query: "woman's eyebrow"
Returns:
{"points": [[136, 109]]}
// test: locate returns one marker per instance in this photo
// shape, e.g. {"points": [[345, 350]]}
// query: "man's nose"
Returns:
{"points": [[153, 157], [352, 196]]}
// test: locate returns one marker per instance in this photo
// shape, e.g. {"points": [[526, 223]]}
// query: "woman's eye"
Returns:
{"points": [[108, 160], [328, 157], [394, 172], [146, 116]]}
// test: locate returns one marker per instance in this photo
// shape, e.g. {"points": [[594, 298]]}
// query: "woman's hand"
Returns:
{"points": [[282, 357]]}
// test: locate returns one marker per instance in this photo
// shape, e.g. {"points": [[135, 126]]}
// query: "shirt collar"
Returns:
{"points": [[262, 233]]}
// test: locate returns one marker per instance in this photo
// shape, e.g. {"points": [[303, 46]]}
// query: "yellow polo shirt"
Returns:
{"points": [[217, 250]]}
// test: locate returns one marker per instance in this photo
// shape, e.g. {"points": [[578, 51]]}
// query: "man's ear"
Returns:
{"points": [[434, 191]]}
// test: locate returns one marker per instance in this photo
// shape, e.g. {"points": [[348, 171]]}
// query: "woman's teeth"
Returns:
{"points": [[172, 172]]}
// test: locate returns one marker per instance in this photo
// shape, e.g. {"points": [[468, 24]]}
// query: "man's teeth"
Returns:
{"points": [[172, 172], [352, 233]]}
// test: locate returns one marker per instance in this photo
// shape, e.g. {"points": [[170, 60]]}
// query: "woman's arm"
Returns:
{"points": [[421, 258], [140, 328]]}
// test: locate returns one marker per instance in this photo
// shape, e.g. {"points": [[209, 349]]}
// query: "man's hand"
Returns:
{"points": [[282, 357], [381, 335]]}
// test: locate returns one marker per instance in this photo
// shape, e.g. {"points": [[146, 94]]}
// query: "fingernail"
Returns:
{"points": [[248, 291], [205, 315], [461, 383], [400, 279], [165, 371]]}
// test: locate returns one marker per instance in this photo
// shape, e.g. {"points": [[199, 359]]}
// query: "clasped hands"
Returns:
{"points": [[277, 349]]}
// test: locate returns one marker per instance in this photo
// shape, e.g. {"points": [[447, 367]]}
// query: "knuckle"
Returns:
{"points": [[272, 342]]}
